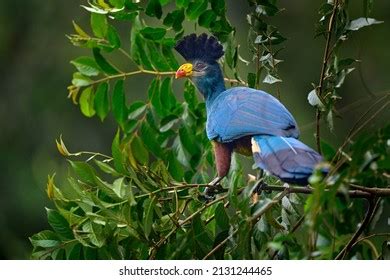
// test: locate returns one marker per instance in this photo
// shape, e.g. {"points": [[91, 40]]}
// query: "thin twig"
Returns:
{"points": [[223, 242], [370, 236], [253, 220], [347, 108], [373, 204], [354, 130], [323, 70], [189, 218]]}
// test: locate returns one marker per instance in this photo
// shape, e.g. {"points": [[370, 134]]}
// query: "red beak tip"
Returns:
{"points": [[180, 74]]}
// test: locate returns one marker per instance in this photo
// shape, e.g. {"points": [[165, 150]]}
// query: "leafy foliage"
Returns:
{"points": [[337, 27], [144, 201]]}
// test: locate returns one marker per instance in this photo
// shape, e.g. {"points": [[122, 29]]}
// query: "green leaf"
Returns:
{"points": [[117, 3], [149, 138], [79, 80], [73, 252], [221, 218], [59, 224], [99, 25], [203, 242], [154, 96], [137, 48], [231, 51], [190, 95], [136, 109], [222, 28], [168, 99], [139, 151], [168, 122], [251, 80], [154, 52], [79, 30], [86, 102], [175, 19], [113, 37], [102, 102], [165, 2], [95, 234], [106, 168], [170, 58], [45, 239], [189, 141], [119, 103], [117, 154], [154, 9], [196, 8], [103, 63], [174, 167], [86, 66], [149, 205], [106, 189], [207, 18], [218, 6], [182, 3], [153, 33], [84, 171], [362, 22]]}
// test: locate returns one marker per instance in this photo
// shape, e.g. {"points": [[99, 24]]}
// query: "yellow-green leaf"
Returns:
{"points": [[86, 102]]}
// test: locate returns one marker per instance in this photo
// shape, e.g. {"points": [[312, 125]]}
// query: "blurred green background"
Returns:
{"points": [[34, 109]]}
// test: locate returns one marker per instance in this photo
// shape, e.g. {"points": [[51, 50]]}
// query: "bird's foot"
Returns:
{"points": [[213, 188], [260, 187]]}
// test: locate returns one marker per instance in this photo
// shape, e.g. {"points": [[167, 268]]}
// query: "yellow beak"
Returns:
{"points": [[184, 71]]}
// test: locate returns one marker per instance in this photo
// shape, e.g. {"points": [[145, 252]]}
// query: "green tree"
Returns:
{"points": [[144, 201]]}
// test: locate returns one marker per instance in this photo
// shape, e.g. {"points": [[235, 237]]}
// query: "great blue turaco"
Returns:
{"points": [[244, 120]]}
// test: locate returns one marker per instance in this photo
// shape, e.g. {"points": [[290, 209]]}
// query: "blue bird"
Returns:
{"points": [[244, 120]]}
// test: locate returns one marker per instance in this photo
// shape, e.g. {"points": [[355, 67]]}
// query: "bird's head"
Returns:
{"points": [[202, 54]]}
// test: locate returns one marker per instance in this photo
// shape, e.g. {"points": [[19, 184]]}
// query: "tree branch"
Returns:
{"points": [[363, 192], [323, 70], [373, 203], [253, 220]]}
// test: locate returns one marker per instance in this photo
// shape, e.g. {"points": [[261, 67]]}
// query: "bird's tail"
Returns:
{"points": [[285, 157]]}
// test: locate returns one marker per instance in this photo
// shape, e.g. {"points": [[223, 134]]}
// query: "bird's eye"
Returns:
{"points": [[200, 65]]}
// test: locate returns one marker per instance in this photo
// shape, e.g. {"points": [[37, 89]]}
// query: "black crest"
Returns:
{"points": [[193, 47]]}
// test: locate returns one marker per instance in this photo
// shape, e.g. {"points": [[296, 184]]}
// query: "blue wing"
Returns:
{"points": [[241, 111], [287, 158]]}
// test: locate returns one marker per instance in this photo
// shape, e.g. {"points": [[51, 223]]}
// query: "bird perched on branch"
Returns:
{"points": [[244, 120]]}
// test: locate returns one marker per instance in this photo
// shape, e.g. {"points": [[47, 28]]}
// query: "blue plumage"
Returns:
{"points": [[236, 115], [241, 111], [285, 157]]}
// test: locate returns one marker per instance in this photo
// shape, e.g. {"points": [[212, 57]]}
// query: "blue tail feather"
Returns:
{"points": [[285, 157]]}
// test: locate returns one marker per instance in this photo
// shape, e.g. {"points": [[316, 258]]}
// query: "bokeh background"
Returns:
{"points": [[34, 109]]}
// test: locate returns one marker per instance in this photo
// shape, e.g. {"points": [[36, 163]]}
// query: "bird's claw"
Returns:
{"points": [[260, 186], [213, 188]]}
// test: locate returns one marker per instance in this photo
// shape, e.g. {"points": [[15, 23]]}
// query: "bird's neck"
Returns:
{"points": [[211, 85]]}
